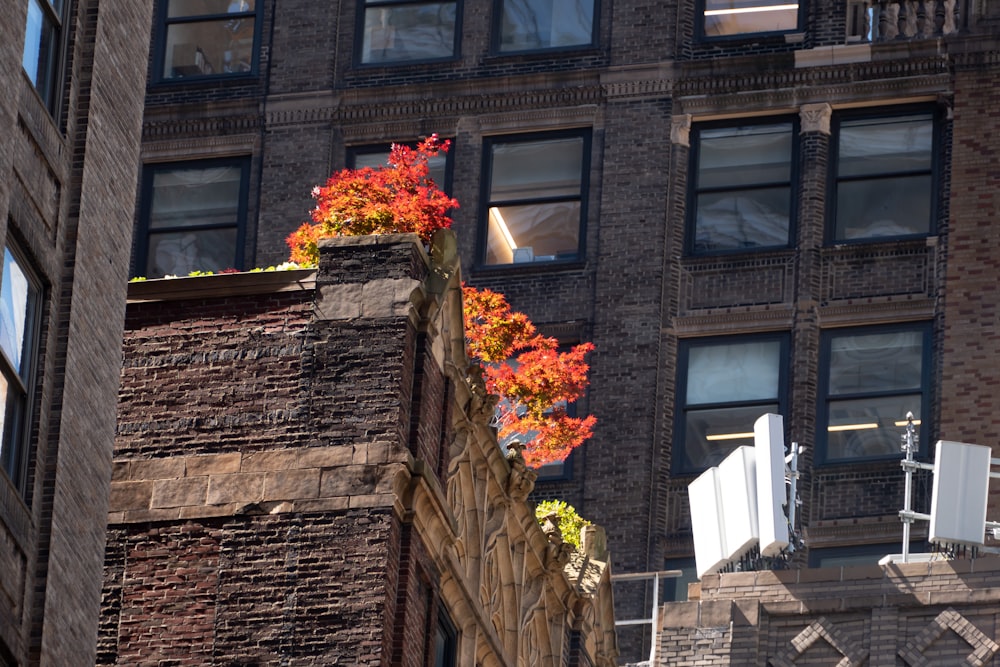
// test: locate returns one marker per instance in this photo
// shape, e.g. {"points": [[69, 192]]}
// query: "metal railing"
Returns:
{"points": [[655, 607]]}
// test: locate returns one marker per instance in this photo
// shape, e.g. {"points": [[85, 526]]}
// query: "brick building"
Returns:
{"points": [[70, 121], [305, 474], [783, 207], [940, 613]]}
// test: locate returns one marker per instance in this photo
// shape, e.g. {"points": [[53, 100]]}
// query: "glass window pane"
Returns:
{"points": [[868, 427], [180, 253], [533, 232], [885, 145], [196, 196], [734, 17], [16, 304], [204, 48], [742, 219], [733, 372], [11, 449], [177, 8], [542, 24], [876, 362], [710, 435], [529, 170], [409, 32], [734, 157], [884, 207], [40, 44]]}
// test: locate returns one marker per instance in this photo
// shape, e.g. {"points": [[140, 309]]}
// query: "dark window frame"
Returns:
{"points": [[384, 148], [586, 135], [16, 436], [446, 628], [50, 91], [834, 178], [694, 189], [143, 233], [496, 34], [701, 36], [162, 23], [861, 551], [359, 34], [824, 397], [679, 466]]}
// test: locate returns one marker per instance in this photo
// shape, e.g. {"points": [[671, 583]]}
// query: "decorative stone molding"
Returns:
{"points": [[638, 89], [680, 130], [170, 150], [785, 91], [815, 118]]}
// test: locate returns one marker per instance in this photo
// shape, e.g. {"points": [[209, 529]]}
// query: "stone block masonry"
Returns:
{"points": [[304, 475]]}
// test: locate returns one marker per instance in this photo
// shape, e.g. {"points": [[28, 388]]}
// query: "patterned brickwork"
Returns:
{"points": [[937, 613]]}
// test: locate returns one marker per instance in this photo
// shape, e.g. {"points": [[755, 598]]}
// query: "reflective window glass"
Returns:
{"points": [[529, 25], [725, 386], [870, 380], [209, 38], [884, 178], [193, 217], [395, 31], [724, 18], [742, 188], [536, 197]]}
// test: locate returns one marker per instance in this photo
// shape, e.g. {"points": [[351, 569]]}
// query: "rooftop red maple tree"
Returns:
{"points": [[535, 381], [395, 198]]}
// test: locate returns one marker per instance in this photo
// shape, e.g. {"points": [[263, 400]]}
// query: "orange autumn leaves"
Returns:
{"points": [[400, 197], [533, 378]]}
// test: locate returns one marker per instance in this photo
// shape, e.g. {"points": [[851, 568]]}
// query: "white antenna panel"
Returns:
{"points": [[769, 446], [706, 522], [958, 501], [738, 490]]}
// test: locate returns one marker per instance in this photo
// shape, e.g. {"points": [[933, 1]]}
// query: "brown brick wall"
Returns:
{"points": [[903, 614], [66, 201], [971, 308]]}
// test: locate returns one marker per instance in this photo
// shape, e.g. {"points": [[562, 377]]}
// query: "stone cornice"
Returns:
{"points": [[165, 150], [876, 311], [732, 321]]}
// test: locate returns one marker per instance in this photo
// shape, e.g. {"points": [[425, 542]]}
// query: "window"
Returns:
{"points": [[727, 18], [440, 166], [884, 176], [675, 589], [741, 189], [202, 38], [193, 217], [444, 641], [535, 198], [724, 386], [532, 25], [19, 314], [869, 380], [396, 31], [42, 44], [859, 554]]}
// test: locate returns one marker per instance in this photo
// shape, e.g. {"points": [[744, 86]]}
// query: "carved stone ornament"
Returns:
{"points": [[522, 478], [680, 130], [816, 118]]}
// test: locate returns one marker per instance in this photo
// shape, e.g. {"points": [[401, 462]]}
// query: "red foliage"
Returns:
{"points": [[396, 198], [535, 386]]}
